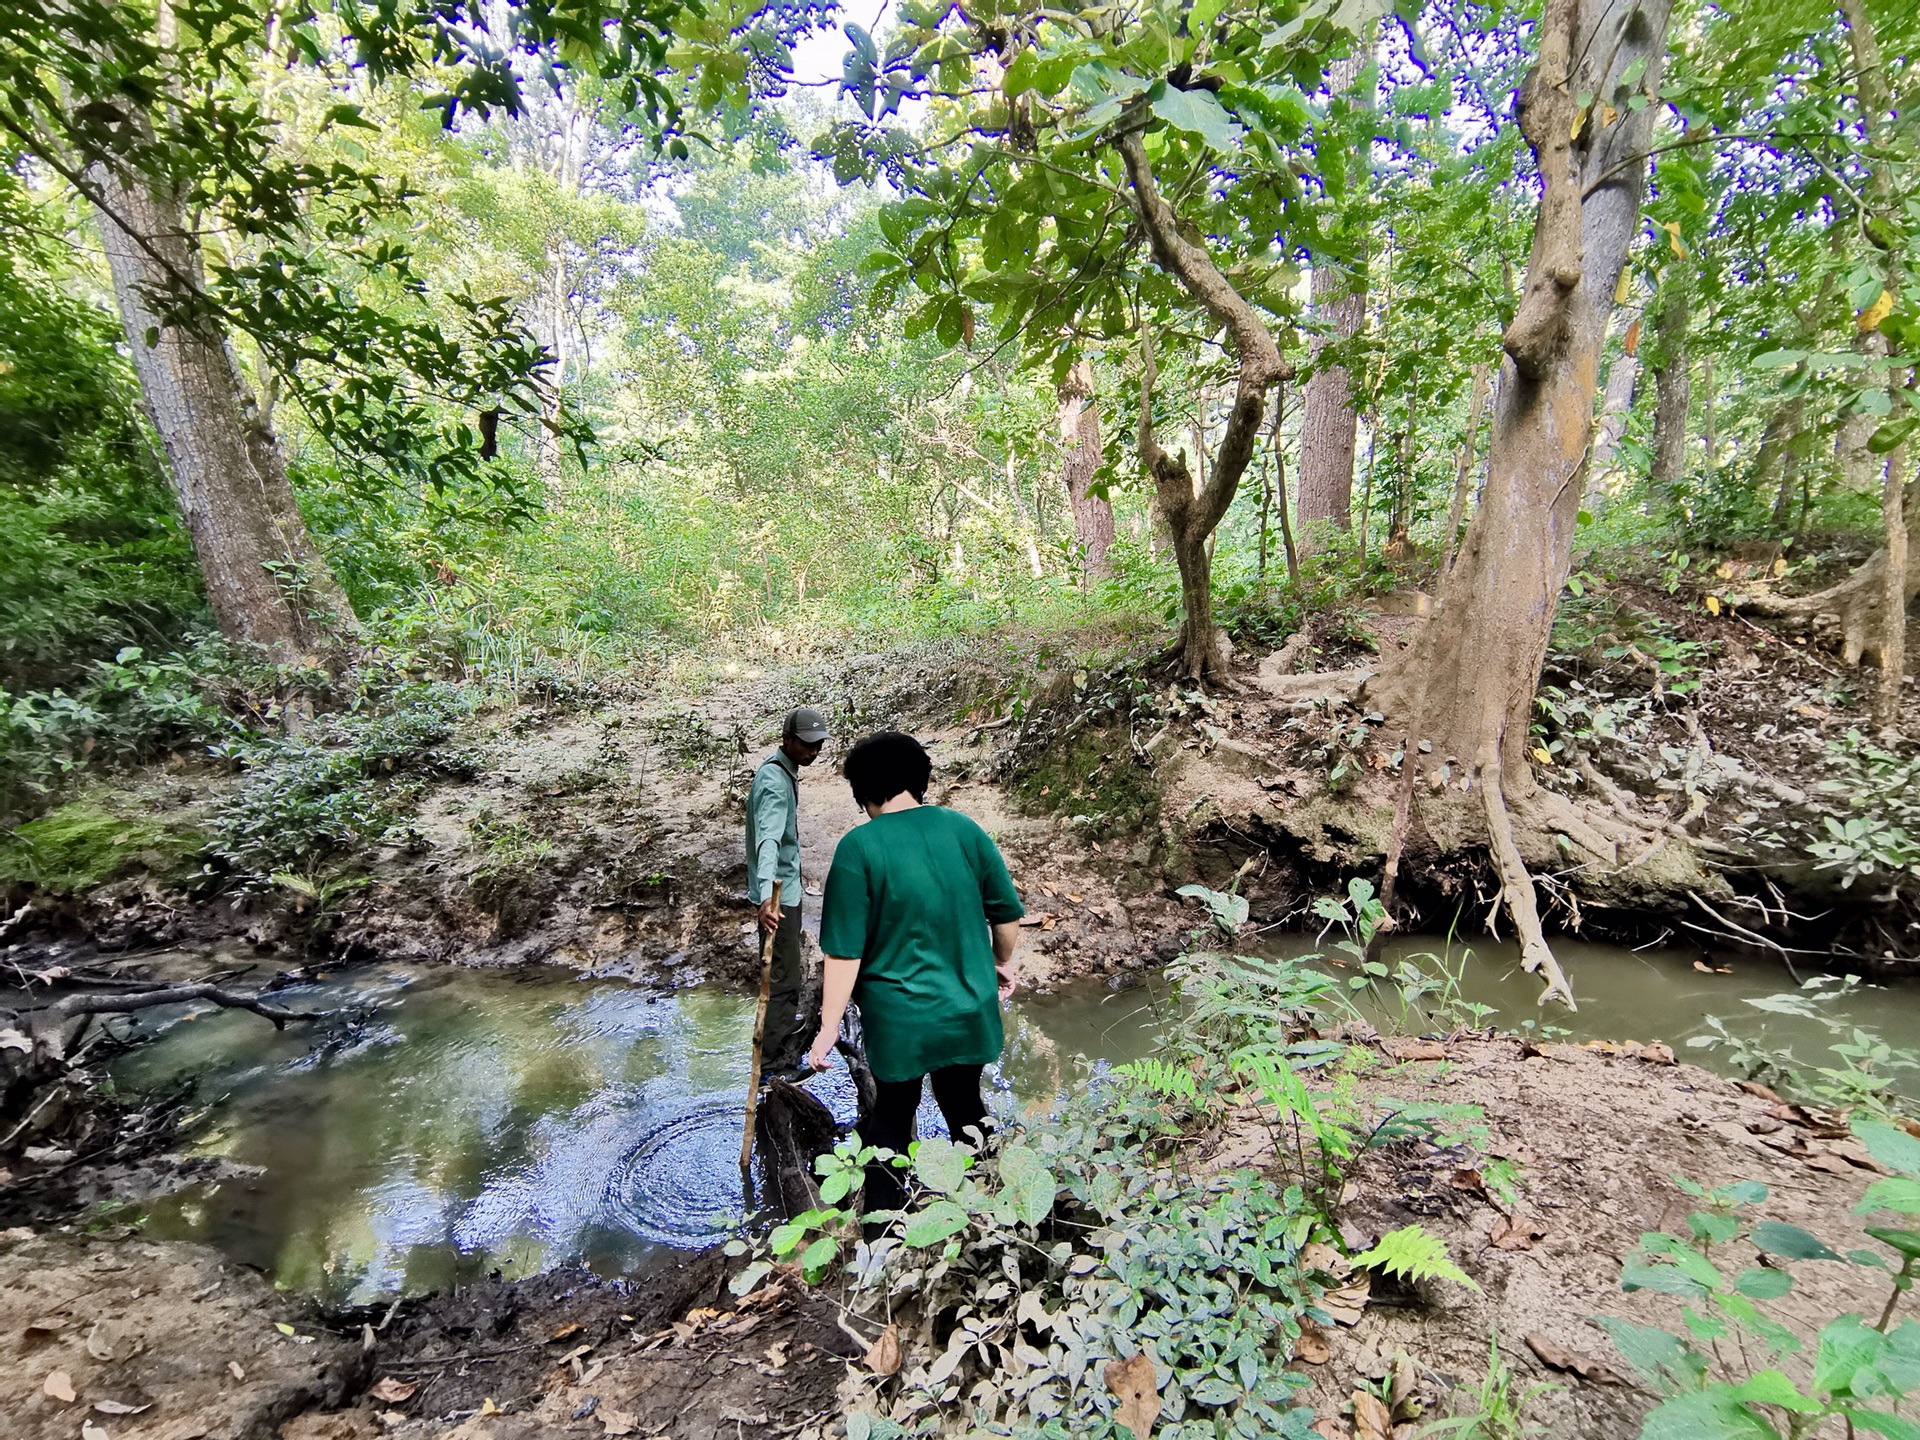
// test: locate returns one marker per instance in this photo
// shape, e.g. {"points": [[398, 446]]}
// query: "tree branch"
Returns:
{"points": [[1260, 360], [53, 1017]]}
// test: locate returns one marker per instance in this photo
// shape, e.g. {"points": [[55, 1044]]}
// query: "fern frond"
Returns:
{"points": [[1288, 1094], [1414, 1254], [1157, 1077]]}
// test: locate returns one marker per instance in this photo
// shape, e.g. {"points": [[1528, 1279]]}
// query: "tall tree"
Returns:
{"points": [[1672, 377], [1079, 463], [1468, 685], [1330, 423]]}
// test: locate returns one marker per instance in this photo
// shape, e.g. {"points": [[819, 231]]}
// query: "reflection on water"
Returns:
{"points": [[1654, 994], [480, 1121]]}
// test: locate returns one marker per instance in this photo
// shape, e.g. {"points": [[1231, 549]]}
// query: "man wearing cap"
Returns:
{"points": [[773, 854]]}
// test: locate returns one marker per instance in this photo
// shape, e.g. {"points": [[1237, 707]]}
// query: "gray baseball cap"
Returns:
{"points": [[807, 724]]}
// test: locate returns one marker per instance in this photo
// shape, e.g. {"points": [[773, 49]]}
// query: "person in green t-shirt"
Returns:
{"points": [[918, 926]]}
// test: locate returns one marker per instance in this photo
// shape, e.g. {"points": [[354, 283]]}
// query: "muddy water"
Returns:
{"points": [[475, 1121]]}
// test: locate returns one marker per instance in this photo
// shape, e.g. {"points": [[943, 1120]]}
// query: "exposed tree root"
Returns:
{"points": [[1516, 886], [49, 1025], [1855, 603]]}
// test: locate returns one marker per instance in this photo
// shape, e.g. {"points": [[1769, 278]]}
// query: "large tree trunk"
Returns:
{"points": [[266, 580], [1468, 686], [1780, 457], [1080, 439], [1672, 384], [1329, 422]]}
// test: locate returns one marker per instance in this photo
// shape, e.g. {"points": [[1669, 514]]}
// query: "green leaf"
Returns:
{"points": [[934, 1224], [1030, 1182], [1706, 1415], [1893, 1148], [1895, 1193], [819, 1253], [1659, 1356], [1789, 1242], [834, 1188], [1757, 1282], [1881, 1423], [749, 1279], [940, 1165], [1907, 1242], [1770, 1387], [1847, 1346], [1197, 113]]}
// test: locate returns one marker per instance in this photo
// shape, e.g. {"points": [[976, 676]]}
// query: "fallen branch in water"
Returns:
{"points": [[49, 1025]]}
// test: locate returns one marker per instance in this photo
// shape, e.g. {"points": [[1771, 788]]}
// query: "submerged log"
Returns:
{"points": [[791, 1129]]}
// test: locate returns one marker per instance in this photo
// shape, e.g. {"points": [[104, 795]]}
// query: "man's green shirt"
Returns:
{"points": [[773, 830], [911, 896]]}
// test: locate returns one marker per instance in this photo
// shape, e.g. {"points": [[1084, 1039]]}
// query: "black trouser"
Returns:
{"points": [[789, 1033], [956, 1090]]}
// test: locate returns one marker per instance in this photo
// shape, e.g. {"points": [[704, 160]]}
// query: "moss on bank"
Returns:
{"points": [[90, 841]]}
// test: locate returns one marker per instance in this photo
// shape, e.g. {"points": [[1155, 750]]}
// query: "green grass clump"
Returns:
{"points": [[86, 843]]}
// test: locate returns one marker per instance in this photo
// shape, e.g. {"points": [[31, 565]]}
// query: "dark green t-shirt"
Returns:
{"points": [[910, 896]]}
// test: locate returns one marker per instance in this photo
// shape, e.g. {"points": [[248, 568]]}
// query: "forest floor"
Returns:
{"points": [[604, 833]]}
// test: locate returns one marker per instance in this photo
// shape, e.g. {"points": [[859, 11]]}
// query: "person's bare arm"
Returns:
{"points": [[1006, 938], [836, 990]]}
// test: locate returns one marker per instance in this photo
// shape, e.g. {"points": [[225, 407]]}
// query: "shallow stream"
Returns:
{"points": [[480, 1121]]}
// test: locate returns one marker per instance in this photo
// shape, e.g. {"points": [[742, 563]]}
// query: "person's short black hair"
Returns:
{"points": [[881, 766]]}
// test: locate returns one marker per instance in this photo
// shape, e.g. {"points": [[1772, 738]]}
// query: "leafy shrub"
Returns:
{"points": [[130, 709], [1878, 834], [1716, 1374], [311, 799]]}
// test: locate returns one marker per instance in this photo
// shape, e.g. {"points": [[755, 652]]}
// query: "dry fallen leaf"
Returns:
{"points": [[619, 1422], [1555, 1356], [1831, 1164], [120, 1407], [391, 1391], [1657, 1052], [884, 1356], [47, 1325], [1312, 1347], [233, 1369], [91, 1431], [59, 1385], [566, 1331], [1132, 1382], [1516, 1232], [1331, 1427], [1371, 1418], [1470, 1181], [487, 1407], [1416, 1050], [1347, 1303]]}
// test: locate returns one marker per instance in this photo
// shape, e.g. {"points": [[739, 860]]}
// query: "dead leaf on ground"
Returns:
{"points": [[618, 1422], [59, 1384], [1516, 1232], [1829, 1163], [1765, 1125], [1759, 1091], [1312, 1347], [91, 1431], [120, 1407], [1854, 1153], [47, 1325], [566, 1332], [1332, 1427], [1371, 1418], [233, 1369], [1658, 1052], [1132, 1382], [883, 1358], [487, 1407], [1416, 1050], [1471, 1181], [1555, 1356], [1348, 1303], [1318, 1255], [391, 1391]]}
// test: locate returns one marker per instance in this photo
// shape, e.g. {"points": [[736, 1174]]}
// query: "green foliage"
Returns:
{"points": [[1494, 1411], [127, 710], [91, 840], [311, 800], [1719, 1376], [1878, 837], [1414, 1254]]}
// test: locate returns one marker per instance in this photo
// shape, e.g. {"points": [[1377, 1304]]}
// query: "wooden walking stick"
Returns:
{"points": [[759, 1039]]}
